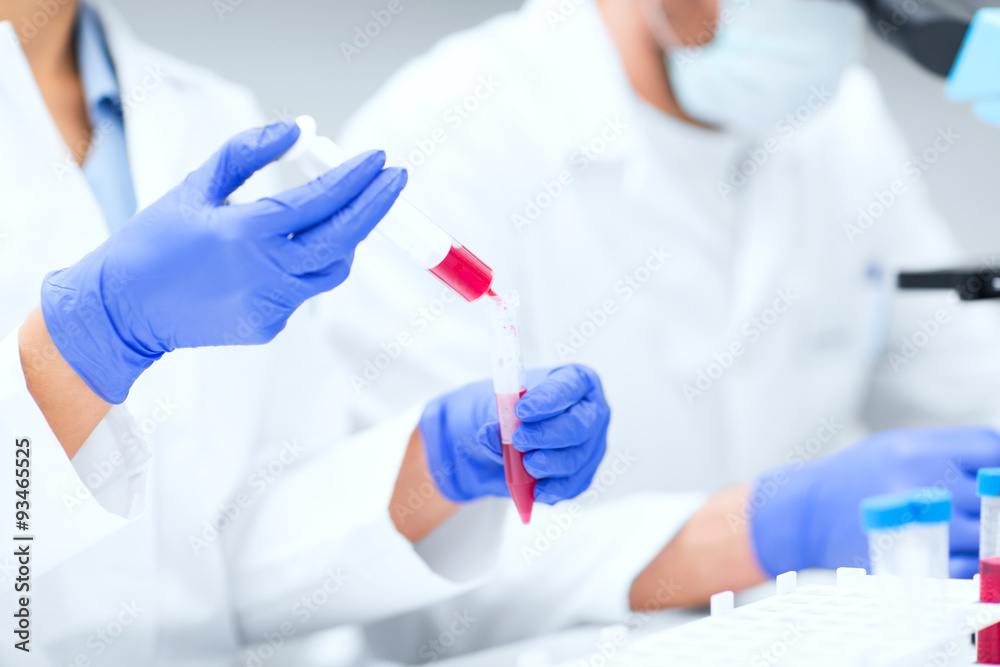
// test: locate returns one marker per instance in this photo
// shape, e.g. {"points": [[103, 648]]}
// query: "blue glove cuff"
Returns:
{"points": [[776, 509], [85, 336], [433, 430]]}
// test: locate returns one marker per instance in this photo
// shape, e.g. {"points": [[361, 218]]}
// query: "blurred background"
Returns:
{"points": [[289, 52]]}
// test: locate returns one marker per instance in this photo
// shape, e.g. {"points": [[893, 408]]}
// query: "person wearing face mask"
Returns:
{"points": [[764, 60], [707, 203]]}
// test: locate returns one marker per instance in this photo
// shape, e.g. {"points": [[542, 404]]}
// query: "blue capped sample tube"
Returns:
{"points": [[886, 520], [908, 533], [931, 514]]}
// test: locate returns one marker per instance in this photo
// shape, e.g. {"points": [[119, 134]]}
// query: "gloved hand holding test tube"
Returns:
{"points": [[404, 225], [509, 384]]}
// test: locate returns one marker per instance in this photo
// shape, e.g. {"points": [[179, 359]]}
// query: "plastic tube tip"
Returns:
{"points": [[307, 131], [524, 500]]}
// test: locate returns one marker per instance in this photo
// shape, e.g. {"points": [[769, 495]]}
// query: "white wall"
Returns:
{"points": [[289, 52]]}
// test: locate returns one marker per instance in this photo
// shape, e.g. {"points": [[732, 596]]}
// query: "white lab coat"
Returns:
{"points": [[772, 332], [781, 267], [257, 519]]}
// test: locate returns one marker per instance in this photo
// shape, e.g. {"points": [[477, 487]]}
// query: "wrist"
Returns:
{"points": [[71, 409], [711, 553], [417, 506], [86, 337]]}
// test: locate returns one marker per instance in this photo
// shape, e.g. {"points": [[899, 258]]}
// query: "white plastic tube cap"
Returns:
{"points": [[307, 132]]}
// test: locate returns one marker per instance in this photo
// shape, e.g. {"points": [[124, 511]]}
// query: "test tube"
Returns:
{"points": [[886, 520], [404, 225], [908, 533], [931, 514], [509, 386], [988, 489]]}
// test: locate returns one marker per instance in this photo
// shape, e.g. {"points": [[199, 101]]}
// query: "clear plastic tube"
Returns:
{"points": [[989, 527], [509, 385], [882, 547], [913, 550], [908, 533], [405, 225], [887, 521], [930, 541], [929, 544]]}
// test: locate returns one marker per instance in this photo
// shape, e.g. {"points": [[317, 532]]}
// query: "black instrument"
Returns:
{"points": [[971, 284], [929, 31]]}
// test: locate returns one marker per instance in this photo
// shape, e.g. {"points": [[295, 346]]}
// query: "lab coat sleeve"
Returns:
{"points": [[73, 504], [586, 556], [573, 565], [320, 549]]}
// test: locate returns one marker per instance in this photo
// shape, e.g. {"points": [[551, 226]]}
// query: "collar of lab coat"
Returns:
{"points": [[591, 86], [142, 72]]}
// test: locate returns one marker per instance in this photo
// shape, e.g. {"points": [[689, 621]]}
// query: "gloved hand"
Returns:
{"points": [[190, 271], [563, 433], [808, 514]]}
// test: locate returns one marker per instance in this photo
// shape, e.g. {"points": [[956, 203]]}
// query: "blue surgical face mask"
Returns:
{"points": [[768, 58]]}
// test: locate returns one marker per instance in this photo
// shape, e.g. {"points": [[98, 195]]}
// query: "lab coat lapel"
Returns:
{"points": [[52, 216], [47, 210], [24, 108]]}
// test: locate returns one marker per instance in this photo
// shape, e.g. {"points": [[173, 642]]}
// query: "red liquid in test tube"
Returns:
{"points": [[988, 490], [988, 640], [404, 225], [509, 386], [520, 483]]}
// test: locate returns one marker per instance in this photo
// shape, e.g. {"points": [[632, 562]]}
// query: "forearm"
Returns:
{"points": [[712, 553], [71, 409], [417, 507]]}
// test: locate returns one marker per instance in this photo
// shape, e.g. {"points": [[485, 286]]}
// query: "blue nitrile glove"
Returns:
{"points": [[807, 514], [191, 271], [563, 432]]}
